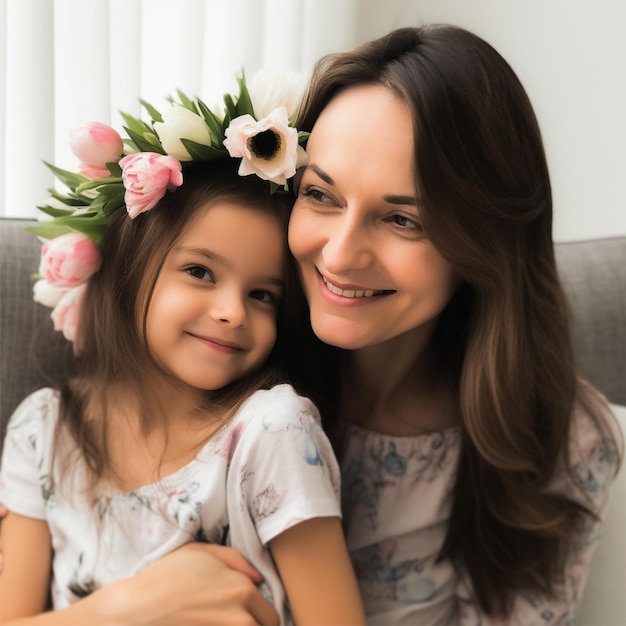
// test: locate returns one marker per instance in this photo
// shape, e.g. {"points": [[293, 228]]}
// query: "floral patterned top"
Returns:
{"points": [[270, 468], [396, 505]]}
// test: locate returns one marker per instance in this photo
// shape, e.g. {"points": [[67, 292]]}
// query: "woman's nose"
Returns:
{"points": [[348, 246]]}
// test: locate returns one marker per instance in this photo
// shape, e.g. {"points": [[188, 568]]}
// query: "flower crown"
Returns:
{"points": [[137, 171]]}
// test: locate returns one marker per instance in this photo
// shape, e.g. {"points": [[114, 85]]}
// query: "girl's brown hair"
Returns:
{"points": [[504, 338], [111, 334]]}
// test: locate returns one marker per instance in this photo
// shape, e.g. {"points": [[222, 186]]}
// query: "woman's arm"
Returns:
{"points": [[315, 569]]}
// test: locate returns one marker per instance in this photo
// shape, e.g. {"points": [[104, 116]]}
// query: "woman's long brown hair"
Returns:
{"points": [[486, 205]]}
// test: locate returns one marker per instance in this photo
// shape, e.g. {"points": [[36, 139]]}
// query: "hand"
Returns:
{"points": [[198, 584]]}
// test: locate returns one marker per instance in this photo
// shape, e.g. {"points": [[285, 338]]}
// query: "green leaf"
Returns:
{"points": [[141, 143], [274, 187], [110, 190], [303, 136], [154, 140], [244, 103], [200, 152], [113, 203], [55, 212], [69, 179], [114, 169], [188, 103], [95, 225], [213, 123], [96, 184], [71, 200], [136, 125], [231, 108], [154, 114], [48, 230]]}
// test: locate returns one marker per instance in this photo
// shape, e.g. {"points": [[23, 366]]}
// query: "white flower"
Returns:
{"points": [[270, 89], [269, 147], [180, 123]]}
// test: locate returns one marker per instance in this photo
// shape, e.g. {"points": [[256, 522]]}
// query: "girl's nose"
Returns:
{"points": [[228, 308], [348, 246]]}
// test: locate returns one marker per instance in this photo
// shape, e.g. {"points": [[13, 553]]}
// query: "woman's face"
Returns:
{"points": [[369, 271]]}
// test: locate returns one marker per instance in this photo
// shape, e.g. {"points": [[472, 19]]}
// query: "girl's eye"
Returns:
{"points": [[263, 296], [201, 273]]}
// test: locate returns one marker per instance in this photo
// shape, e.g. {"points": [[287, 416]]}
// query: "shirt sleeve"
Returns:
{"points": [[24, 476], [283, 465], [594, 460]]}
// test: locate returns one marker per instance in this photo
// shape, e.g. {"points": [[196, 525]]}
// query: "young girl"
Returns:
{"points": [[178, 425]]}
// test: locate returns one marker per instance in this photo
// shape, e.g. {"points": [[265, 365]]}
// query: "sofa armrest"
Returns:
{"points": [[593, 274]]}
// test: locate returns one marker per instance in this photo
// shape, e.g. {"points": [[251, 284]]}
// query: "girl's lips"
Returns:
{"points": [[221, 345]]}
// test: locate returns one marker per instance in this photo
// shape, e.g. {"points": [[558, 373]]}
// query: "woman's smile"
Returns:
{"points": [[351, 292]]}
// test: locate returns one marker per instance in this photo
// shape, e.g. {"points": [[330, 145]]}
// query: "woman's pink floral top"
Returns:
{"points": [[396, 505]]}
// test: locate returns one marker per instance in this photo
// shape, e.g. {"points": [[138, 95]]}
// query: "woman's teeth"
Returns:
{"points": [[351, 293]]}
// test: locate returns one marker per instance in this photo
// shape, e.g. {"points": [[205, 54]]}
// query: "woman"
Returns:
{"points": [[475, 463]]}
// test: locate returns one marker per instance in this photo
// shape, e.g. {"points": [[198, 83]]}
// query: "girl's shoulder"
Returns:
{"points": [[38, 410], [280, 404]]}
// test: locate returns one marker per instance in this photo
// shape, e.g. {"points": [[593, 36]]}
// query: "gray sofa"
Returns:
{"points": [[594, 277]]}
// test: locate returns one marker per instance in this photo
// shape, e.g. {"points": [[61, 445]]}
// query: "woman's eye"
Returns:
{"points": [[201, 273], [315, 194], [406, 223]]}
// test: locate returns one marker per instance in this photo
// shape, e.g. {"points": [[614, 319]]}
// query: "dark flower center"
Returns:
{"points": [[265, 145]]}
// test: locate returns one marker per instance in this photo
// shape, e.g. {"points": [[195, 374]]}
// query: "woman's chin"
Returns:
{"points": [[338, 333]]}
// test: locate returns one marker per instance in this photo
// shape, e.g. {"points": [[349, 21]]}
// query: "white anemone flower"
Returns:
{"points": [[269, 147], [180, 123], [270, 89]]}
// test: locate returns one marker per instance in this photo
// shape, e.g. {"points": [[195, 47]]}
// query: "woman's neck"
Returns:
{"points": [[397, 387]]}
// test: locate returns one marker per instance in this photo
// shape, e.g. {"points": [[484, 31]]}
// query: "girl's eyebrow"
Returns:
{"points": [[212, 256], [390, 198], [203, 252]]}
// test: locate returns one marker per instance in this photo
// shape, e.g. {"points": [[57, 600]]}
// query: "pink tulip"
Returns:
{"points": [[92, 172], [147, 176], [66, 313], [96, 144], [46, 294], [69, 260]]}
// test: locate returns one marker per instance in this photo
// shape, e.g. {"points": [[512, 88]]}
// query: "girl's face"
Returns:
{"points": [[369, 271], [212, 315]]}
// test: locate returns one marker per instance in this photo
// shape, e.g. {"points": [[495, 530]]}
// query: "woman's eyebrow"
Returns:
{"points": [[411, 200], [390, 198], [321, 173]]}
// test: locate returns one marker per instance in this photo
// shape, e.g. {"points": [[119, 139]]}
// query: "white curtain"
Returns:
{"points": [[66, 62]]}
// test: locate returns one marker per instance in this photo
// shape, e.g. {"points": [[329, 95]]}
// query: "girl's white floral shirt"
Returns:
{"points": [[270, 468]]}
